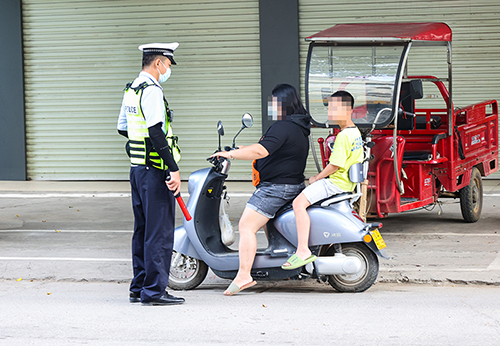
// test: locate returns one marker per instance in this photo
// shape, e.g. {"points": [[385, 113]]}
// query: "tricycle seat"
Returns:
{"points": [[421, 122], [417, 156]]}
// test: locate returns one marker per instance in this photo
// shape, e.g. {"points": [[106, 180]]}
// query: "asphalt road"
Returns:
{"points": [[65, 267], [290, 313]]}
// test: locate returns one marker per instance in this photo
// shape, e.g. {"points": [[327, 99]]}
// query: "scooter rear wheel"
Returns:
{"points": [[186, 273], [362, 280]]}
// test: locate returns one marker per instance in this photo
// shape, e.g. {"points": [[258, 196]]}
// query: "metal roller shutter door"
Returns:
{"points": [[78, 55], [476, 33]]}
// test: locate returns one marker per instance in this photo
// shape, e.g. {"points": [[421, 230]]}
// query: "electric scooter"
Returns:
{"points": [[346, 247]]}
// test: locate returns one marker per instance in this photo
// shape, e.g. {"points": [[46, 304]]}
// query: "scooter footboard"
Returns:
{"points": [[183, 245]]}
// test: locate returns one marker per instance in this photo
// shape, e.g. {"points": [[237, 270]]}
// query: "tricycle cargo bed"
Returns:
{"points": [[477, 131]]}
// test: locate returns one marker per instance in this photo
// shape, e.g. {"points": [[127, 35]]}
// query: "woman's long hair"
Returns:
{"points": [[289, 98]]}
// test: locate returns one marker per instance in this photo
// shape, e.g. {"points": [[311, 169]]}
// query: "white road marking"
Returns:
{"points": [[65, 195], [92, 195], [63, 231], [495, 265], [122, 194], [78, 259], [427, 269], [440, 234], [419, 234]]}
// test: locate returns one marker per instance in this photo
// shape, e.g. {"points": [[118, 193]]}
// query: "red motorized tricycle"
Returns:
{"points": [[424, 147]]}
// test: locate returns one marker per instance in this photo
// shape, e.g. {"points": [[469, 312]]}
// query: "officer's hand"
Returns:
{"points": [[174, 184]]}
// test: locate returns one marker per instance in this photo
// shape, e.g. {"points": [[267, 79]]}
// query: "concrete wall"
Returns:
{"points": [[279, 48]]}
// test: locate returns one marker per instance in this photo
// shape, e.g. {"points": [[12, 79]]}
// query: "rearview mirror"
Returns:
{"points": [[220, 128], [220, 131], [247, 120]]}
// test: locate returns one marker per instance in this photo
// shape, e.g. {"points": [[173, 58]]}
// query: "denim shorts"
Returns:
{"points": [[270, 197]]}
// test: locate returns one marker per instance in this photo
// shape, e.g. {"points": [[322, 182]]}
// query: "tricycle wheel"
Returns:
{"points": [[186, 272], [362, 280], [471, 197]]}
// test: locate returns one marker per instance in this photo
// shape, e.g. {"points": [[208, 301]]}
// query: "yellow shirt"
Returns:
{"points": [[347, 150]]}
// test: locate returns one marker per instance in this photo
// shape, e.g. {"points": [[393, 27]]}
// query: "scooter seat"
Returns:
{"points": [[321, 203], [340, 197], [318, 203]]}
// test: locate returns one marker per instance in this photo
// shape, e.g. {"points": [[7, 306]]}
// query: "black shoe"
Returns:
{"points": [[135, 297], [166, 299]]}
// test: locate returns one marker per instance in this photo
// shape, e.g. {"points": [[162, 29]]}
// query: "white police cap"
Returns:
{"points": [[166, 49]]}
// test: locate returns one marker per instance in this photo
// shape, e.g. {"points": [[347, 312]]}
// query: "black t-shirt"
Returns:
{"points": [[288, 147]]}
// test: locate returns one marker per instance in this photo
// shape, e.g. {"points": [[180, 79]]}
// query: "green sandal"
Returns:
{"points": [[296, 262]]}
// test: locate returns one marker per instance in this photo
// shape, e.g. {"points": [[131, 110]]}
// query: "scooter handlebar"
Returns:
{"points": [[217, 160]]}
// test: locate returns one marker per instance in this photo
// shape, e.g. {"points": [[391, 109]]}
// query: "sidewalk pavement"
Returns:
{"points": [[489, 186], [47, 186], [81, 231]]}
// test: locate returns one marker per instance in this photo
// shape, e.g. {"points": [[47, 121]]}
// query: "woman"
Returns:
{"points": [[281, 156]]}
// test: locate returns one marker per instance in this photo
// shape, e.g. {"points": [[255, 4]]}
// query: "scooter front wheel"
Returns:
{"points": [[186, 272], [362, 280], [471, 197]]}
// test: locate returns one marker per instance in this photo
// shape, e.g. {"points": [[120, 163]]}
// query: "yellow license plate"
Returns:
{"points": [[377, 238]]}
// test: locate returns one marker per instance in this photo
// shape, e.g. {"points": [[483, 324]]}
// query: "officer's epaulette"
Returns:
{"points": [[138, 88], [127, 86]]}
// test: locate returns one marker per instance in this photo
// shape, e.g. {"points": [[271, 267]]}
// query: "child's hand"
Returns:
{"points": [[313, 179]]}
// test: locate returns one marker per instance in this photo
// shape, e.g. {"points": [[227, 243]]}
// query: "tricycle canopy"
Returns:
{"points": [[384, 32], [370, 62]]}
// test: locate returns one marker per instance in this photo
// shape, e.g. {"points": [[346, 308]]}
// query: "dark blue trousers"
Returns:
{"points": [[152, 242]]}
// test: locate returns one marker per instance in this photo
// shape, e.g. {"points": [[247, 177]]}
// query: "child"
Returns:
{"points": [[334, 179]]}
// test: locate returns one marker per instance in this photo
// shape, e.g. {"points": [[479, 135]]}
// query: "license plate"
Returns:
{"points": [[377, 238]]}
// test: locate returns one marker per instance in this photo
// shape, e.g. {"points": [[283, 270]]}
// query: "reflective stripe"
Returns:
{"points": [[142, 151]]}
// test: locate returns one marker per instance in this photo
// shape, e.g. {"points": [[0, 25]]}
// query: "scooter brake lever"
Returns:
{"points": [[213, 160]]}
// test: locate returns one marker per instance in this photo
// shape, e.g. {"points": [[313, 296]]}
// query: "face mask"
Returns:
{"points": [[163, 77]]}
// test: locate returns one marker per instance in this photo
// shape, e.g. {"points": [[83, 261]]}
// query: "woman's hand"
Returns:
{"points": [[224, 154], [251, 152]]}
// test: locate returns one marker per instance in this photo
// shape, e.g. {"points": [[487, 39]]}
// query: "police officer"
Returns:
{"points": [[145, 120]]}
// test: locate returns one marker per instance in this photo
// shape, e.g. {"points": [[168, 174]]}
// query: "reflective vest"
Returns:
{"points": [[141, 148]]}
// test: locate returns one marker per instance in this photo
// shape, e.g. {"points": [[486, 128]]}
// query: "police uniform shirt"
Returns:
{"points": [[152, 104]]}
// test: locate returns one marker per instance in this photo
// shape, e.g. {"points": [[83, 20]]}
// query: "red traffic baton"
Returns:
{"points": [[181, 202]]}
